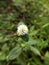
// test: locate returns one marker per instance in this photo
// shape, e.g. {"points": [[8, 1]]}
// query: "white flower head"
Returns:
{"points": [[22, 30]]}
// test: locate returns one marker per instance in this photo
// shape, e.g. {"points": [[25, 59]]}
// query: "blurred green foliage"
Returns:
{"points": [[32, 49]]}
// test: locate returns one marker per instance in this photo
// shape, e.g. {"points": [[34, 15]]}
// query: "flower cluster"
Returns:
{"points": [[22, 30]]}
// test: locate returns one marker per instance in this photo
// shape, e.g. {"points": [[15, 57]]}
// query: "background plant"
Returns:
{"points": [[31, 49]]}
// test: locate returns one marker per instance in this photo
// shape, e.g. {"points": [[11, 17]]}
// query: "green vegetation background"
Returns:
{"points": [[31, 49]]}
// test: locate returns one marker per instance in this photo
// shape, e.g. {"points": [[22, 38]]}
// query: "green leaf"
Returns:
{"points": [[35, 51], [21, 61], [31, 42], [45, 25], [18, 2], [2, 56], [47, 55], [14, 53], [5, 48], [3, 39], [46, 58], [33, 31]]}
